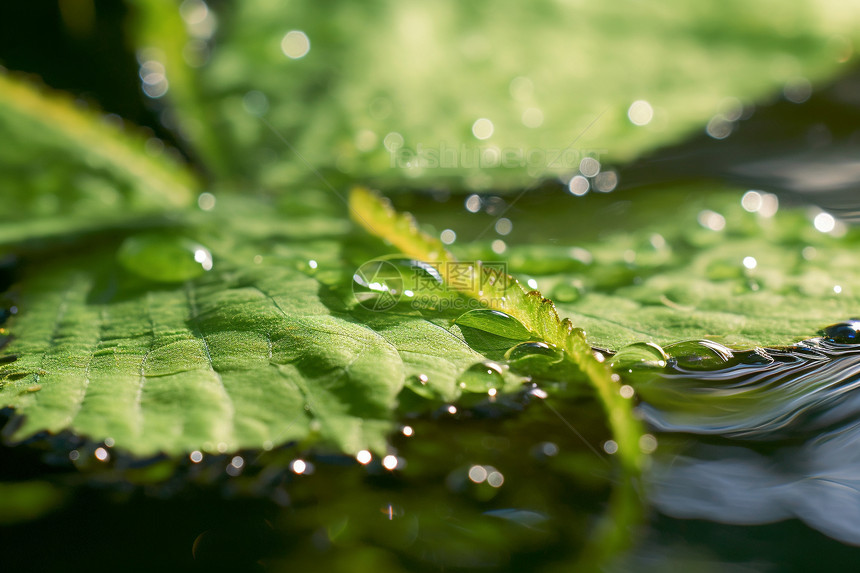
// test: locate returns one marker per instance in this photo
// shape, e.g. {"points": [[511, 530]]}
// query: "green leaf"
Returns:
{"points": [[264, 348], [66, 169], [390, 94]]}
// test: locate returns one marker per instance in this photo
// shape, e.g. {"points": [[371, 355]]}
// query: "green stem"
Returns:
{"points": [[536, 313]]}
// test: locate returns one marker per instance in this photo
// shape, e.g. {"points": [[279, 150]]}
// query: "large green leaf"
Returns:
{"points": [[144, 341], [382, 79], [237, 355], [264, 348]]}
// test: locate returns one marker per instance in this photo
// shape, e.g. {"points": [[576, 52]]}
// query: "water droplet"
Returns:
{"points": [[606, 182], [712, 220], [640, 355], [504, 226], [548, 449], [477, 474], [295, 44], [640, 112], [482, 128], [481, 377], [532, 349], [719, 127], [473, 203], [538, 393], [393, 141], [495, 322], [752, 201], [797, 90], [847, 332], [699, 355], [648, 444], [566, 292], [298, 466], [532, 117], [255, 103], [206, 201], [578, 185], [164, 258], [534, 358], [378, 284], [824, 222], [495, 479], [589, 166]]}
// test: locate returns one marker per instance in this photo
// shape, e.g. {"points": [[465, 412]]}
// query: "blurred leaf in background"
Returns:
{"points": [[473, 96]]}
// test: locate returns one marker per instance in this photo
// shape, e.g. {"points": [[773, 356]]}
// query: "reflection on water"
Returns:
{"points": [[817, 482], [786, 434]]}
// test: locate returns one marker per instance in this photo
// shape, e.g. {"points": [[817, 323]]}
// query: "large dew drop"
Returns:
{"points": [[639, 356], [699, 355], [481, 377], [534, 358], [847, 332], [566, 292], [378, 285], [495, 322], [164, 258]]}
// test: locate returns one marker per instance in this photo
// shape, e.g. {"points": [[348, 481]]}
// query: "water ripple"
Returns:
{"points": [[764, 394], [783, 429]]}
